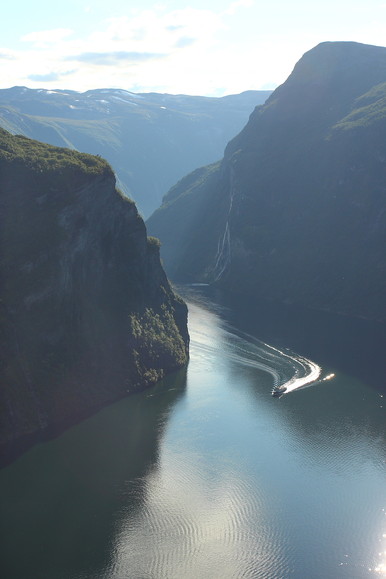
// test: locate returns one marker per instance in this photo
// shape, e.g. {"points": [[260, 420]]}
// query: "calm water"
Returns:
{"points": [[208, 476]]}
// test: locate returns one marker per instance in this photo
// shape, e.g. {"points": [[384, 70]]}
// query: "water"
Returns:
{"points": [[209, 476]]}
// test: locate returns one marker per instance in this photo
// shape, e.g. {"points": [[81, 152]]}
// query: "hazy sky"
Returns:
{"points": [[208, 47]]}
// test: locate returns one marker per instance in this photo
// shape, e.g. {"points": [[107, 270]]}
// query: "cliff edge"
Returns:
{"points": [[86, 311]]}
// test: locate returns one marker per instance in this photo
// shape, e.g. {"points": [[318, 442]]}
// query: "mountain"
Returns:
{"points": [[296, 210], [151, 140], [86, 311]]}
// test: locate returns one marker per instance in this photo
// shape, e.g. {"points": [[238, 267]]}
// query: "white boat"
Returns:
{"points": [[278, 390]]}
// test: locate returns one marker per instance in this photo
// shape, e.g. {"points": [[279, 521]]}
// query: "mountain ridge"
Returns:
{"points": [[150, 139], [296, 210]]}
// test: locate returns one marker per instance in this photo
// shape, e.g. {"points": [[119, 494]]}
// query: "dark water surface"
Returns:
{"points": [[208, 476]]}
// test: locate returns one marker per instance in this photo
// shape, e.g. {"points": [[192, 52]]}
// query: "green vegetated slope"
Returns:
{"points": [[86, 311], [151, 140], [296, 210]]}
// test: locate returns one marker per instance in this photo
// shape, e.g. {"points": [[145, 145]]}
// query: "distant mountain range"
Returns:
{"points": [[296, 210], [151, 140]]}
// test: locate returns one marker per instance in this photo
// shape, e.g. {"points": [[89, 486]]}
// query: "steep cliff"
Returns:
{"points": [[296, 211], [86, 311]]}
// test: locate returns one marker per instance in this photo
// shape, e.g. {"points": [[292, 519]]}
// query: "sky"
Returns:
{"points": [[210, 48]]}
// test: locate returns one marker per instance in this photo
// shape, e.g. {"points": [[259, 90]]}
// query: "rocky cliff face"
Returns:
{"points": [[86, 311], [296, 211]]}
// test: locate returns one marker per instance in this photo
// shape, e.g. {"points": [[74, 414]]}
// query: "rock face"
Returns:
{"points": [[296, 211], [86, 311], [151, 140]]}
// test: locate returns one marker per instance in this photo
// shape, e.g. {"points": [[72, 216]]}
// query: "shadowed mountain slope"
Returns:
{"points": [[296, 210], [86, 312]]}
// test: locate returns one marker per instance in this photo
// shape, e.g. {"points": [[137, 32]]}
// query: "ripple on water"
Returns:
{"points": [[200, 527], [205, 518]]}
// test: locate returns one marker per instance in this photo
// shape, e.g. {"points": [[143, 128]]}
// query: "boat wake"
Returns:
{"points": [[280, 365], [288, 370]]}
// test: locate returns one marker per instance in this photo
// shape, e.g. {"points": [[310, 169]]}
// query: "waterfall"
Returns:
{"points": [[223, 256]]}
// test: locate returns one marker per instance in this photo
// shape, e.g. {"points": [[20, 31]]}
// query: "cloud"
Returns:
{"points": [[49, 76], [6, 56], [232, 8], [160, 31], [43, 38], [184, 41], [174, 27], [153, 49], [114, 58]]}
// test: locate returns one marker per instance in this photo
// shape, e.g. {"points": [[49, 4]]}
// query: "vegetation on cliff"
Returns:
{"points": [[86, 311]]}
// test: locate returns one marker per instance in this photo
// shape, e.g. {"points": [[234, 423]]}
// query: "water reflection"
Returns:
{"points": [[61, 502], [217, 480], [249, 486], [198, 529], [380, 568]]}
